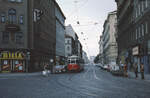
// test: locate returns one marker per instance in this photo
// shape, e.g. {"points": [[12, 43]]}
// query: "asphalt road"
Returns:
{"points": [[92, 83]]}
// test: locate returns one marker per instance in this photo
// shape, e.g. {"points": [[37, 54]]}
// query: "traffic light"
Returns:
{"points": [[37, 14]]}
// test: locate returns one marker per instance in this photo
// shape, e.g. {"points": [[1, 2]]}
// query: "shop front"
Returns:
{"points": [[12, 62]]}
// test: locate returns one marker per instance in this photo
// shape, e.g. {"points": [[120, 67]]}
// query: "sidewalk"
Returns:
{"points": [[20, 74], [132, 75]]}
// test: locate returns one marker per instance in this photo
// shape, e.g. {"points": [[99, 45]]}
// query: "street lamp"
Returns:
{"points": [[28, 59], [51, 65]]}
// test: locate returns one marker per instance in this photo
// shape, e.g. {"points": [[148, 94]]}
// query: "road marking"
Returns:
{"points": [[4, 78], [86, 74], [97, 78], [96, 89]]}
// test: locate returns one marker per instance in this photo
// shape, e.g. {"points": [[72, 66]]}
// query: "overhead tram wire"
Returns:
{"points": [[74, 11]]}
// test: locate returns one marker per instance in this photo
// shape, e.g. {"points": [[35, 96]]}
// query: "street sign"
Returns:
{"points": [[135, 50]]}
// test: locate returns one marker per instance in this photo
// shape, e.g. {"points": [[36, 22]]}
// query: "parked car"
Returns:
{"points": [[58, 69], [106, 67], [64, 68]]}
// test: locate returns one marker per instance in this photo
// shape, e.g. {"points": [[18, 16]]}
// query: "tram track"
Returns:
{"points": [[71, 84]]}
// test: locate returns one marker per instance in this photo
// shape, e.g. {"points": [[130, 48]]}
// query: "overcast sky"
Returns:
{"points": [[91, 15]]}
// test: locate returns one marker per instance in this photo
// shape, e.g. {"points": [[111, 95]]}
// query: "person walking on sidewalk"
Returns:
{"points": [[125, 70], [142, 70], [45, 72], [136, 70]]}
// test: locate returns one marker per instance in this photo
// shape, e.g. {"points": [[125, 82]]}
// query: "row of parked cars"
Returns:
{"points": [[111, 67]]}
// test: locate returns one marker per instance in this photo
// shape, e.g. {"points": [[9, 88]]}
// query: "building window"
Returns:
{"points": [[5, 37], [146, 28], [136, 33], [136, 12], [12, 16], [139, 10], [11, 0], [68, 48], [3, 19], [139, 32], [142, 29], [19, 1], [19, 37], [146, 3], [142, 6], [68, 42], [133, 36], [21, 19]]}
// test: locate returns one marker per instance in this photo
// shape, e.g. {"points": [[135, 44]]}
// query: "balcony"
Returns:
{"points": [[12, 27]]}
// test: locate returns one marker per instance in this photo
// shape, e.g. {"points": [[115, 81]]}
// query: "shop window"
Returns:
{"points": [[6, 66], [5, 37], [18, 66], [12, 16], [3, 19]]}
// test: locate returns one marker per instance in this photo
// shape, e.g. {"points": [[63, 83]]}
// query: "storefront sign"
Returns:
{"points": [[9, 55], [135, 51]]}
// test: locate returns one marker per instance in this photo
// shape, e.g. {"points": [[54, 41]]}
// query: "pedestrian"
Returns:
{"points": [[136, 70], [142, 70], [125, 70], [45, 72]]}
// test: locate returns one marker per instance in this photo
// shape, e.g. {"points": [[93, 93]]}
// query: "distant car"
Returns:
{"points": [[64, 68], [58, 69], [105, 67], [114, 66]]}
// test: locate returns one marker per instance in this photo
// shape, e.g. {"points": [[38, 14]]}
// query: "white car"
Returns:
{"points": [[58, 68], [114, 66]]}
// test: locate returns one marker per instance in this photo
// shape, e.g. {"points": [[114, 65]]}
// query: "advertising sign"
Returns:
{"points": [[11, 55]]}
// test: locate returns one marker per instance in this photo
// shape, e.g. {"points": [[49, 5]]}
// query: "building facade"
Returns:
{"points": [[60, 35], [69, 46], [133, 32], [101, 50], [85, 57], [27, 34], [109, 40], [76, 48]]}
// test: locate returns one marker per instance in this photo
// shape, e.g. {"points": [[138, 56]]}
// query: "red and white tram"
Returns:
{"points": [[75, 64]]}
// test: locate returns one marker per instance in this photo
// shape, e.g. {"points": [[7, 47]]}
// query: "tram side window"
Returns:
{"points": [[73, 62]]}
